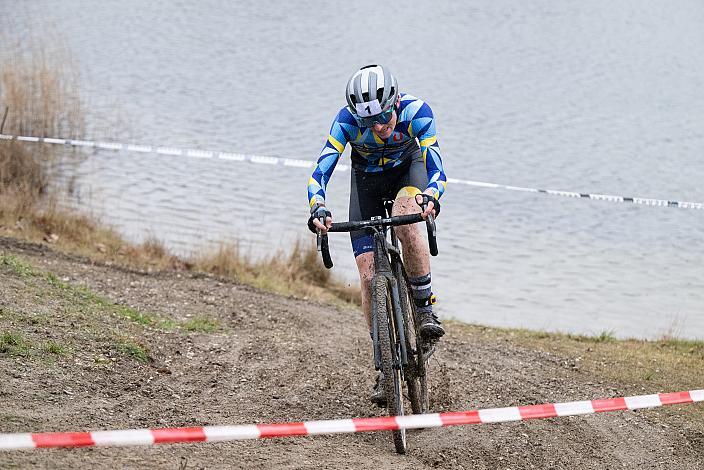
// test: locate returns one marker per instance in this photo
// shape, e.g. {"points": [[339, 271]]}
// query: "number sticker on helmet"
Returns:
{"points": [[370, 108]]}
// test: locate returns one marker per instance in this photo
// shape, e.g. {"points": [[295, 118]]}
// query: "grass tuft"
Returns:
{"points": [[133, 349], [201, 324], [52, 347], [14, 344], [136, 316], [605, 337], [17, 265]]}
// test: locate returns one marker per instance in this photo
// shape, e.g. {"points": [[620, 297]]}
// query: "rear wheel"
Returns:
{"points": [[388, 350]]}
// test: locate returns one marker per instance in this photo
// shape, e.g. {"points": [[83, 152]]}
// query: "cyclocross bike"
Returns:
{"points": [[400, 353]]}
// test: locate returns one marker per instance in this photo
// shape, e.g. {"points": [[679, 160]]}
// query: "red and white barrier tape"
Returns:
{"points": [[195, 153], [135, 437]]}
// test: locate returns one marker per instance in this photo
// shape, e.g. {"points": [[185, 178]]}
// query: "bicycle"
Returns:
{"points": [[400, 353]]}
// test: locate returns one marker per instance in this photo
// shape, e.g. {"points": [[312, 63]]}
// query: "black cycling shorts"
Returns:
{"points": [[368, 190]]}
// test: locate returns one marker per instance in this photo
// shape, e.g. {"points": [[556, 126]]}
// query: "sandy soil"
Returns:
{"points": [[277, 359]]}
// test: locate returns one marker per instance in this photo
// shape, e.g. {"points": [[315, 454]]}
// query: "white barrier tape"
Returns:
{"points": [[134, 437], [168, 151], [81, 143], [106, 145], [139, 148], [309, 164], [199, 154], [49, 140]]}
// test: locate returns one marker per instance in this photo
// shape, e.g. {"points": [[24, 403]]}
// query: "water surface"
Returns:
{"points": [[600, 96]]}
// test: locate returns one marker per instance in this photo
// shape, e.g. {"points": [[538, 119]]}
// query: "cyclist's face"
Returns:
{"points": [[383, 131]]}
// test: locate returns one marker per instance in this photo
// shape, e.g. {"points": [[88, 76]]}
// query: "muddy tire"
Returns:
{"points": [[387, 345], [416, 376]]}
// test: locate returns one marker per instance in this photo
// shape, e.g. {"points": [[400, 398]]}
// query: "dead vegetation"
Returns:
{"points": [[38, 88], [38, 95]]}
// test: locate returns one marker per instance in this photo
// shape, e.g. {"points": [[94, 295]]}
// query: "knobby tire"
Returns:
{"points": [[416, 376], [387, 345]]}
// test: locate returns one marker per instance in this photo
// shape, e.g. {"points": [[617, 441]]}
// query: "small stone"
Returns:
{"points": [[51, 238]]}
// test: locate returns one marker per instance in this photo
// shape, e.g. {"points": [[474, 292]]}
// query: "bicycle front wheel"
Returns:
{"points": [[389, 355]]}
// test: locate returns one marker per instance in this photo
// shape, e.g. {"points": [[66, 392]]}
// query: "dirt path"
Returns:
{"points": [[273, 359]]}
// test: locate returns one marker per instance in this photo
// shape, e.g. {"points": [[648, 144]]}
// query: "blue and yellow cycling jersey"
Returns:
{"points": [[372, 154]]}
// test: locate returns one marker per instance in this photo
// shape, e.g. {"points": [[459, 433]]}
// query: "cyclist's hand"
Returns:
{"points": [[432, 205], [314, 223]]}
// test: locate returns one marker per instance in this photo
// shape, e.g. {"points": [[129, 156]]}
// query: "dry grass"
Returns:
{"points": [[636, 366], [300, 273], [38, 88]]}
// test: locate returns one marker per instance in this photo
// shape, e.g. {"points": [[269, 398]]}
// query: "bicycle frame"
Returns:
{"points": [[385, 255]]}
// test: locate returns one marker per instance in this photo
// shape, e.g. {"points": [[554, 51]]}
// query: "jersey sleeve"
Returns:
{"points": [[423, 127], [334, 145]]}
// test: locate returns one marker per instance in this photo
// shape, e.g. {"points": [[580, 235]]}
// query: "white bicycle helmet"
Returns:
{"points": [[371, 91]]}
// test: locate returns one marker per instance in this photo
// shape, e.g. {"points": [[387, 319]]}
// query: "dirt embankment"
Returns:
{"points": [[88, 347]]}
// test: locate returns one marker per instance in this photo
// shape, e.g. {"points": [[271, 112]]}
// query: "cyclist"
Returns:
{"points": [[395, 155]]}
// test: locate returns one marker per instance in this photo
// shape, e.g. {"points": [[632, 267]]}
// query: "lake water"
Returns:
{"points": [[599, 96]]}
